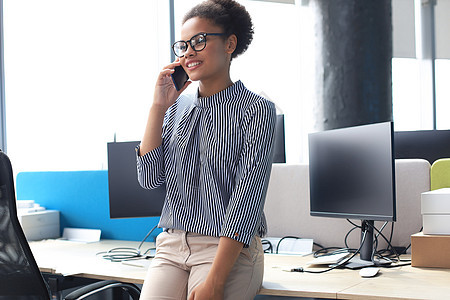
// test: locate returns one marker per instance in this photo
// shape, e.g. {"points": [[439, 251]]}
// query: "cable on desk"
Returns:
{"points": [[409, 246], [397, 257], [338, 265], [391, 250], [374, 253], [393, 254], [326, 250], [392, 262], [267, 246], [120, 254], [336, 250]]}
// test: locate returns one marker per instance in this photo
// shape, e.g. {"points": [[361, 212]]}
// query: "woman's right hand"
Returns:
{"points": [[165, 95], [165, 92]]}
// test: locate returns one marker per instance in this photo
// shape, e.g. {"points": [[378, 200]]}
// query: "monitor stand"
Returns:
{"points": [[358, 263], [366, 247]]}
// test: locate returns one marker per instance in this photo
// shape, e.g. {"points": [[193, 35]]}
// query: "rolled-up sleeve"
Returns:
{"points": [[150, 168], [245, 208]]}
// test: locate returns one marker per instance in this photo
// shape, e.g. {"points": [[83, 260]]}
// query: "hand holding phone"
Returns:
{"points": [[179, 77]]}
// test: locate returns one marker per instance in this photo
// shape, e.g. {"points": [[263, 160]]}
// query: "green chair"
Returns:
{"points": [[440, 174]]}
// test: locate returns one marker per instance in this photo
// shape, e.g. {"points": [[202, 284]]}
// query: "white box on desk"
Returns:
{"points": [[40, 225], [436, 211]]}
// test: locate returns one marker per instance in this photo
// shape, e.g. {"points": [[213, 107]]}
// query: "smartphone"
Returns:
{"points": [[179, 77]]}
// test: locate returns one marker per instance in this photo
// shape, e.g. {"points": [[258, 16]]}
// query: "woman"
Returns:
{"points": [[213, 150]]}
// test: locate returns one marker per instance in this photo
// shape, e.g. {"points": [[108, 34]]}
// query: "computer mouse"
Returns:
{"points": [[368, 271]]}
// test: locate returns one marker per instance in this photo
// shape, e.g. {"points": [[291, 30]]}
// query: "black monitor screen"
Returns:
{"points": [[427, 144], [127, 199], [279, 153], [352, 173]]}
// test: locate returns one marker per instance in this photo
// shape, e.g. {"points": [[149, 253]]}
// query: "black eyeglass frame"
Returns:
{"points": [[204, 34]]}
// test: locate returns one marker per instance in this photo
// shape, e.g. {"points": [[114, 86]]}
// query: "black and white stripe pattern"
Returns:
{"points": [[215, 158]]}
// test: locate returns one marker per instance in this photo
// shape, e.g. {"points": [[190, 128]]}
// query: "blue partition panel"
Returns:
{"points": [[83, 201]]}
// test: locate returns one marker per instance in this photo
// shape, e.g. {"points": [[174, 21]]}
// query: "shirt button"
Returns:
{"points": [[236, 234]]}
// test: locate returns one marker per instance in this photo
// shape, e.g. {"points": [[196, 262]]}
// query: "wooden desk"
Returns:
{"points": [[403, 282], [80, 260], [326, 285], [62, 257]]}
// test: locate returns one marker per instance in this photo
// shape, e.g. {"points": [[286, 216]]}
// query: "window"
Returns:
{"points": [[406, 94], [442, 93], [442, 63], [78, 73]]}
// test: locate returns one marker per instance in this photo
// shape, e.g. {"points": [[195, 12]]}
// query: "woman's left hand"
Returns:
{"points": [[206, 291], [213, 288]]}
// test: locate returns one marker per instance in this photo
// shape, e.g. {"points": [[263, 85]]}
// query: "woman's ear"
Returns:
{"points": [[231, 44]]}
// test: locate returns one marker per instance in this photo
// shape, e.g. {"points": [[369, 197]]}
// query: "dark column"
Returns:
{"points": [[354, 42]]}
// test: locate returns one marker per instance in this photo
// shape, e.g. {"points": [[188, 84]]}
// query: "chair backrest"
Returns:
{"points": [[440, 174], [20, 277]]}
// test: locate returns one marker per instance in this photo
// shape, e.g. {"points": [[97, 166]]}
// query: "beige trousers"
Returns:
{"points": [[183, 259]]}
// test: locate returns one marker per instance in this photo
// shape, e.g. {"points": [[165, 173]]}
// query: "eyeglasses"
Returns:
{"points": [[197, 42]]}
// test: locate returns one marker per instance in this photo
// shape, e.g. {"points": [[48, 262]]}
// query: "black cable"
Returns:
{"points": [[120, 254], [148, 234], [389, 247], [355, 226], [339, 264], [344, 261], [318, 245], [389, 243], [375, 247], [382, 228], [406, 249], [347, 235], [392, 232], [391, 252], [374, 252], [326, 252], [269, 249], [409, 246], [283, 238], [397, 265], [348, 220]]}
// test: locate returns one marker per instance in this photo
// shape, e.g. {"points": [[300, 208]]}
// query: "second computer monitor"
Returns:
{"points": [[127, 199]]}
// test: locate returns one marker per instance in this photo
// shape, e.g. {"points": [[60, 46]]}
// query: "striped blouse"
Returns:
{"points": [[215, 159]]}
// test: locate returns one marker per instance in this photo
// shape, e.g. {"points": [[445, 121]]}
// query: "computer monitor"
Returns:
{"points": [[127, 199], [352, 175], [427, 144], [279, 152]]}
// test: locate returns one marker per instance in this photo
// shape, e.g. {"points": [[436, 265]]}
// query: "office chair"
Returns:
{"points": [[20, 278], [440, 174]]}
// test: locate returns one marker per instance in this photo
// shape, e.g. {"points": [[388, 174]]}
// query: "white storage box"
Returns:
{"points": [[40, 225], [436, 212]]}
